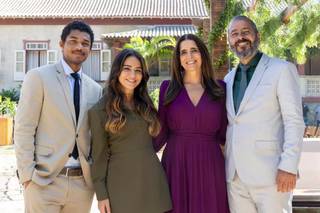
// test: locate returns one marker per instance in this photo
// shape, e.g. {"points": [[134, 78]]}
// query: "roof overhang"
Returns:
{"points": [[153, 31], [100, 21]]}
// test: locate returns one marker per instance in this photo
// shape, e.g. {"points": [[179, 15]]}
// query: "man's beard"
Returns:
{"points": [[253, 47]]}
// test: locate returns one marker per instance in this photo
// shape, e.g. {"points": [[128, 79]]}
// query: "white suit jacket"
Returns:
{"points": [[45, 124], [267, 131]]}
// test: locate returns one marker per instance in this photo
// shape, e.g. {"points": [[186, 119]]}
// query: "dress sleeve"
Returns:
{"points": [[224, 119], [160, 140], [100, 154]]}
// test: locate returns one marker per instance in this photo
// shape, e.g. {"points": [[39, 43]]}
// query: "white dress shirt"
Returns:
{"points": [[67, 69]]}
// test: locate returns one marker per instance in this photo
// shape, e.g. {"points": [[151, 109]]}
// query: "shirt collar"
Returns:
{"points": [[67, 69]]}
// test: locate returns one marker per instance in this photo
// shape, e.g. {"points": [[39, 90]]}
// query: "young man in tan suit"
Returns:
{"points": [[52, 138]]}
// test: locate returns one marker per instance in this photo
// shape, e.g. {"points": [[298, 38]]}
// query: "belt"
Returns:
{"points": [[69, 172]]}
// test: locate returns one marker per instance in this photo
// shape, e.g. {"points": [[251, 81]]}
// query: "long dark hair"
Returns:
{"points": [[115, 107], [208, 80]]}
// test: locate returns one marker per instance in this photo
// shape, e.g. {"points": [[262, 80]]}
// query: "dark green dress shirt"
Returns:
{"points": [[253, 64]]}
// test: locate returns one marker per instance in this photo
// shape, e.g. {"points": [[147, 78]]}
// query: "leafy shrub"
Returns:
{"points": [[155, 97], [13, 94], [7, 107]]}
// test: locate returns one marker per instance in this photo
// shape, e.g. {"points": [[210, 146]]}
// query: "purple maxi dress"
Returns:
{"points": [[192, 159]]}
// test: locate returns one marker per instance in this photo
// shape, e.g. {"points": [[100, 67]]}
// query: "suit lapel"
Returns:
{"points": [[66, 90], [254, 82], [83, 99], [230, 103]]}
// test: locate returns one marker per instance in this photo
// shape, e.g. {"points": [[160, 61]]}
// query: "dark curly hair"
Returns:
{"points": [[77, 25]]}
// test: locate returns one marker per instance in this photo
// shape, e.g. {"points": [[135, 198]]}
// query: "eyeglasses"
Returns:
{"points": [[193, 51]]}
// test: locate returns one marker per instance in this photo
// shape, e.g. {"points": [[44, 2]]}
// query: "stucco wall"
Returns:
{"points": [[12, 37]]}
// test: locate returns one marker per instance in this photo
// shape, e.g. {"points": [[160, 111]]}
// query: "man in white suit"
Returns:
{"points": [[265, 131], [52, 138]]}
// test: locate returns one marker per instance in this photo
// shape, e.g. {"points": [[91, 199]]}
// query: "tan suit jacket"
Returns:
{"points": [[45, 124], [267, 131]]}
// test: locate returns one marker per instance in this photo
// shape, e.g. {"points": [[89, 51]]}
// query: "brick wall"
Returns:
{"points": [[217, 6]]}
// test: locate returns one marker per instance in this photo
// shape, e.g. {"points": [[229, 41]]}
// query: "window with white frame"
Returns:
{"points": [[19, 65], [36, 45], [52, 56], [91, 66], [105, 64], [164, 66], [97, 65], [35, 58], [35, 54], [96, 45]]}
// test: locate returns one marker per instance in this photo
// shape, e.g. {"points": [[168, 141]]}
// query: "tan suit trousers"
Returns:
{"points": [[63, 195]]}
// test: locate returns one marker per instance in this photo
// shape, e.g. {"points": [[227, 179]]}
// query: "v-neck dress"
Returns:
{"points": [[192, 159]]}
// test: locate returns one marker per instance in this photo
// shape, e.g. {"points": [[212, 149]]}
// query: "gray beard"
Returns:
{"points": [[249, 52]]}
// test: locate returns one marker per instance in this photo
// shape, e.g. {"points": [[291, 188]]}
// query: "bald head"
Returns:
{"points": [[245, 19], [243, 38]]}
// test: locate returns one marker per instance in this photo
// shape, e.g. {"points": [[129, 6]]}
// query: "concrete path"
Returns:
{"points": [[11, 198]]}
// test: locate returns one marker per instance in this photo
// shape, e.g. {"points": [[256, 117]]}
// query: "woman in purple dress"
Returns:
{"points": [[193, 118]]}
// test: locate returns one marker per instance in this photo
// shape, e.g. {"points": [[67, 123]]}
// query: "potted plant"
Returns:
{"points": [[7, 112]]}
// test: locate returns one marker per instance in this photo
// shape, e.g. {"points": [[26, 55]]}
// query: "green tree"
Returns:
{"points": [[289, 29], [290, 34], [153, 49]]}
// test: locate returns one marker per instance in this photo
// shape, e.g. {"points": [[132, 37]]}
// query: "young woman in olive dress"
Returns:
{"points": [[126, 172]]}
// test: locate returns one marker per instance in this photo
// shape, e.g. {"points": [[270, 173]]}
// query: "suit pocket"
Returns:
{"points": [[267, 147], [43, 150]]}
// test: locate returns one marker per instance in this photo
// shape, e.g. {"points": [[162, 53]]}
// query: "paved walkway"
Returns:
{"points": [[11, 198]]}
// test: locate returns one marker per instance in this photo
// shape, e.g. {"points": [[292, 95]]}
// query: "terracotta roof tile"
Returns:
{"points": [[103, 9]]}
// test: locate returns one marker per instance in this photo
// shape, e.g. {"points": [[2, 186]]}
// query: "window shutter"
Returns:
{"points": [[52, 56], [19, 65], [164, 66], [105, 64]]}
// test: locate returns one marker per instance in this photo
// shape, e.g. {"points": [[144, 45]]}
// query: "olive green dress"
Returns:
{"points": [[125, 167]]}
